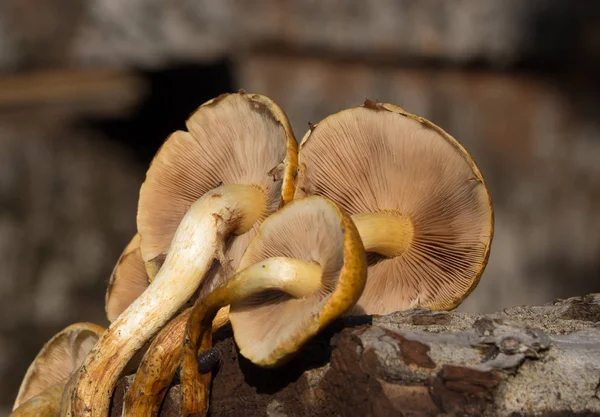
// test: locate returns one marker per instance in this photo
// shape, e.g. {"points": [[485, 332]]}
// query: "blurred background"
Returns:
{"points": [[89, 90]]}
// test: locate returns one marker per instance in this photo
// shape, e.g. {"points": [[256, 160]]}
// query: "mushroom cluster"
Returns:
{"points": [[378, 211]]}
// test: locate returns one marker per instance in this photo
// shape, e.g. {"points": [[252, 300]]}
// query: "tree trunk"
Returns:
{"points": [[542, 360]]}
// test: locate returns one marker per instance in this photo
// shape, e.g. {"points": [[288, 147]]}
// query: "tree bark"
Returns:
{"points": [[542, 360]]}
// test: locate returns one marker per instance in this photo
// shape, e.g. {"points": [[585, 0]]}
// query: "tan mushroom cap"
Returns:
{"points": [[44, 404], [127, 281], [271, 325], [236, 138], [379, 159], [58, 359]]}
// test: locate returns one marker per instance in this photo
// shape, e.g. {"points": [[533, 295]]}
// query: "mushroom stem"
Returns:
{"points": [[387, 233], [199, 238], [297, 278], [292, 276], [45, 404], [157, 369]]}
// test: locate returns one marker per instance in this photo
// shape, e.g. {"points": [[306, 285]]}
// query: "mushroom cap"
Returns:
{"points": [[44, 404], [238, 138], [380, 158], [270, 326], [127, 281], [58, 359]]}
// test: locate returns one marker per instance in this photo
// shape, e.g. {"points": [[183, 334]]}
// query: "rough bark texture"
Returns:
{"points": [[542, 360]]}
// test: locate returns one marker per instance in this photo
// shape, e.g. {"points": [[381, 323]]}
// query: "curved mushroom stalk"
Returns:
{"points": [[44, 404], [156, 371], [299, 279], [197, 242], [305, 267]]}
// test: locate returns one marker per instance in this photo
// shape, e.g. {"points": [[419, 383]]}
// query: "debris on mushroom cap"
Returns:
{"points": [[271, 325], [217, 151], [58, 359], [379, 159], [127, 281]]}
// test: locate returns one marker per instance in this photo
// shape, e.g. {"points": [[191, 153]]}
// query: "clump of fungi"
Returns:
{"points": [[378, 211]]}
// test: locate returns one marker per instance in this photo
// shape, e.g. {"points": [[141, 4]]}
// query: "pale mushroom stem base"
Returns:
{"points": [[387, 233], [199, 237], [297, 278]]}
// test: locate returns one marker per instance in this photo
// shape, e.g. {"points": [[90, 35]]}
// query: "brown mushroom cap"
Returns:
{"points": [[58, 359], [233, 139], [44, 404], [380, 159], [127, 281], [271, 325]]}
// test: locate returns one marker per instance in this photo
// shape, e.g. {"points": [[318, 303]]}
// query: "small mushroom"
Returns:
{"points": [[305, 267], [44, 381], [205, 193], [127, 281], [419, 202], [44, 404]]}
